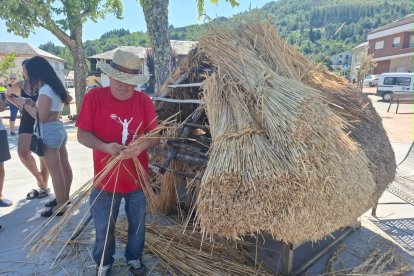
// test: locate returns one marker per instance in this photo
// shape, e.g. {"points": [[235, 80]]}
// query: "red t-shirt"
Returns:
{"points": [[113, 120]]}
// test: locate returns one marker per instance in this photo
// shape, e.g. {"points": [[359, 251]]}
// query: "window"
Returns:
{"points": [[403, 81], [412, 41], [379, 45], [340, 56], [388, 81], [396, 42]]}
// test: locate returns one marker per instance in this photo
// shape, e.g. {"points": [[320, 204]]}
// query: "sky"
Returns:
{"points": [[181, 13]]}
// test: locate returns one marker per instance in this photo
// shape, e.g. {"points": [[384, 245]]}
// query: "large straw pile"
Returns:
{"points": [[183, 252], [286, 156], [280, 162]]}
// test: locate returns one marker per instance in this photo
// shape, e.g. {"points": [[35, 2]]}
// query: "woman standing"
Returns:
{"points": [[22, 88], [47, 111]]}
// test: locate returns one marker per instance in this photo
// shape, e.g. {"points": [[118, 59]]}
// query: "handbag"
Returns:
{"points": [[36, 144]]}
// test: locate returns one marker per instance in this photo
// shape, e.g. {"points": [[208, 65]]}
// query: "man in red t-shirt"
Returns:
{"points": [[110, 118]]}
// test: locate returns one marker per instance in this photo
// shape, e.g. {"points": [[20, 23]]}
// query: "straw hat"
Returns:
{"points": [[124, 67]]}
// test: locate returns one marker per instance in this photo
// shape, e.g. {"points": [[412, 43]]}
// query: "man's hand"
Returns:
{"points": [[133, 151], [113, 148]]}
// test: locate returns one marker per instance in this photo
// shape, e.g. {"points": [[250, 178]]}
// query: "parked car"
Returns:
{"points": [[371, 80], [394, 83]]}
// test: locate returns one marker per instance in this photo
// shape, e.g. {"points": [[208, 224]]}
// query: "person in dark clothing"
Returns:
{"points": [[23, 89]]}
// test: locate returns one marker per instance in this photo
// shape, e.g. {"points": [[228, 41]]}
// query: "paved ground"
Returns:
{"points": [[394, 227]]}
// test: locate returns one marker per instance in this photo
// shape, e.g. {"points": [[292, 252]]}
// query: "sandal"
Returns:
{"points": [[51, 203], [32, 194], [43, 192], [5, 202], [49, 213]]}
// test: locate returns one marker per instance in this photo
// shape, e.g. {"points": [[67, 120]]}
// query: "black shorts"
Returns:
{"points": [[4, 146], [26, 123]]}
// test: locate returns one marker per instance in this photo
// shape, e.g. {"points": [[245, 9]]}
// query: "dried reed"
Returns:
{"points": [[183, 252]]}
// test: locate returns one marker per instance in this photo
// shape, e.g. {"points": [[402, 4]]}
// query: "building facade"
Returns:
{"points": [[392, 46], [341, 61]]}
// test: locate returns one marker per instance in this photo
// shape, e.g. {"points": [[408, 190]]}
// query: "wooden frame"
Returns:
{"points": [[288, 253]]}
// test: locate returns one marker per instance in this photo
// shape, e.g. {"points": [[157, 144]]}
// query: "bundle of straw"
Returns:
{"points": [[280, 161], [183, 252]]}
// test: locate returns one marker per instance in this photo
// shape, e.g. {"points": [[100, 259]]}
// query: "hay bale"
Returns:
{"points": [[286, 156], [286, 176]]}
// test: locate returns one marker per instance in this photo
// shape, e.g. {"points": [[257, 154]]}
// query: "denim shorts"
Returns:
{"points": [[54, 134]]}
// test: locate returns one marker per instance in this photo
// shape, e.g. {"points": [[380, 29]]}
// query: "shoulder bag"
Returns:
{"points": [[36, 144]]}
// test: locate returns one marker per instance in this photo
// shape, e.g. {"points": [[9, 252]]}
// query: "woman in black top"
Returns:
{"points": [[22, 88]]}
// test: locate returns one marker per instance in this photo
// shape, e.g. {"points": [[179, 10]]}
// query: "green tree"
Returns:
{"points": [[6, 64], [64, 19]]}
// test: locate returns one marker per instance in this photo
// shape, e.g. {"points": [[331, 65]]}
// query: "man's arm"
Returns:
{"points": [[89, 140]]}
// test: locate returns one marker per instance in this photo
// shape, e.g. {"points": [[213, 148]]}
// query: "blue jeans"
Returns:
{"points": [[101, 204]]}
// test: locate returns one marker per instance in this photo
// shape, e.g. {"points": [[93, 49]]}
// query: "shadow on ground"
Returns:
{"points": [[400, 230]]}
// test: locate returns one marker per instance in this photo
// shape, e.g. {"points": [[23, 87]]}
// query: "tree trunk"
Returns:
{"points": [[75, 45], [79, 65], [156, 17]]}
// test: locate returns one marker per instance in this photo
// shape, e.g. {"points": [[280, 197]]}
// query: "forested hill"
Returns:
{"points": [[318, 28], [314, 26]]}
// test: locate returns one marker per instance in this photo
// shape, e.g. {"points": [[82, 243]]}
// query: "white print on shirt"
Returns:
{"points": [[124, 124]]}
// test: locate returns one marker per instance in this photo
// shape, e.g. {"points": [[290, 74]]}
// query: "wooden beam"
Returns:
{"points": [[197, 84], [169, 100], [156, 168], [178, 81], [196, 126], [179, 156]]}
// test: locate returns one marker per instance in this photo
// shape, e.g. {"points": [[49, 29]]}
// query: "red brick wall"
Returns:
{"points": [[382, 67], [388, 50]]}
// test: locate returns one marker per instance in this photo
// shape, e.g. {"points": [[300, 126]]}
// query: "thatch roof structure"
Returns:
{"points": [[292, 150]]}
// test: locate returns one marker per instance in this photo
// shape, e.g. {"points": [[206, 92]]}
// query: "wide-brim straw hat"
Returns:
{"points": [[124, 67]]}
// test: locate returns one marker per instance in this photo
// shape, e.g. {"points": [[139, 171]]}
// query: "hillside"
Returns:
{"points": [[318, 28], [314, 26]]}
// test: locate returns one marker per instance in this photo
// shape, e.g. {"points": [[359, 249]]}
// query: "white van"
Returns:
{"points": [[394, 83]]}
